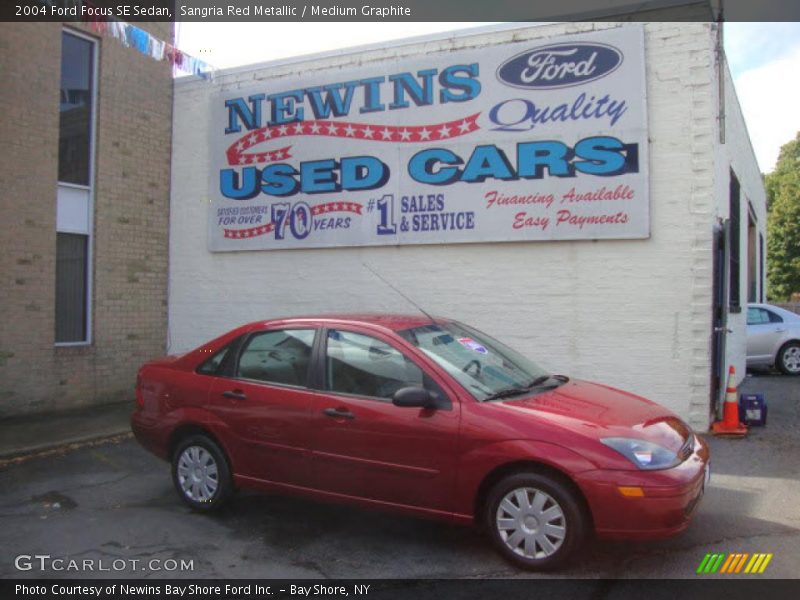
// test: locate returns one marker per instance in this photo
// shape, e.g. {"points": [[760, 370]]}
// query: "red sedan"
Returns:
{"points": [[425, 416]]}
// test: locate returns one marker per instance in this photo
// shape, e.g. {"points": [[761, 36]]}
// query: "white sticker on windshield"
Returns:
{"points": [[472, 345]]}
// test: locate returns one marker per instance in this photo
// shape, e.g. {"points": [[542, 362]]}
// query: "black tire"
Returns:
{"points": [[787, 357], [199, 494], [555, 493]]}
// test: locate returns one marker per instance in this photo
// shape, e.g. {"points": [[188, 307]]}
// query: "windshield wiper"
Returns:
{"points": [[506, 393], [515, 391], [538, 381]]}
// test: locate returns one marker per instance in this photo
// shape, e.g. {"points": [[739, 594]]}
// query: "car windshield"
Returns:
{"points": [[484, 366]]}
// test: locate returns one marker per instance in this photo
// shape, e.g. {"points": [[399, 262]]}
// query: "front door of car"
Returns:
{"points": [[265, 402], [365, 446]]}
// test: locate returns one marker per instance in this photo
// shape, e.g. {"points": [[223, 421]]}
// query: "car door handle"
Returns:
{"points": [[235, 395], [780, 329], [338, 413]]}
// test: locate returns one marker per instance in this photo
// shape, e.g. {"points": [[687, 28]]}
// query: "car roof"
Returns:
{"points": [[776, 309], [391, 321]]}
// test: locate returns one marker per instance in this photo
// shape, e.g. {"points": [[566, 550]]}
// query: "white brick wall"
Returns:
{"points": [[737, 154], [634, 314]]}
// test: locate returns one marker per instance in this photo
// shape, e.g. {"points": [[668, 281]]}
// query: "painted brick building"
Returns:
{"points": [[649, 312], [84, 167]]}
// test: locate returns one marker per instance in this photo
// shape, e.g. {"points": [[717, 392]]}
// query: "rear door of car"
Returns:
{"points": [[764, 331], [363, 445], [264, 399]]}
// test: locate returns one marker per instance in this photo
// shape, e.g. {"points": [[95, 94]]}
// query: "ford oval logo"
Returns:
{"points": [[559, 65]]}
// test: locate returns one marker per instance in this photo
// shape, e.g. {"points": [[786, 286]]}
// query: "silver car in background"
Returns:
{"points": [[773, 338]]}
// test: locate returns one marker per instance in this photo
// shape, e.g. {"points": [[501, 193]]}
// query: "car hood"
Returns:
{"points": [[600, 411]]}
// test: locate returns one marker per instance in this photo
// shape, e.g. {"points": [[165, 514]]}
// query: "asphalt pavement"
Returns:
{"points": [[112, 500]]}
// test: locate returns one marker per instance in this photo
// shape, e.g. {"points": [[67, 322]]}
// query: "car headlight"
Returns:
{"points": [[645, 455]]}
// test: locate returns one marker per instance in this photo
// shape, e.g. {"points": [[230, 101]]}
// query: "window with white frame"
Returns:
{"points": [[74, 197]]}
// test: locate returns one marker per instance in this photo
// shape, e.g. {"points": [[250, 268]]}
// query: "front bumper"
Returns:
{"points": [[670, 498]]}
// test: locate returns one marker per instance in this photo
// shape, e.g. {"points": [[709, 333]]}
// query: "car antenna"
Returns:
{"points": [[409, 300]]}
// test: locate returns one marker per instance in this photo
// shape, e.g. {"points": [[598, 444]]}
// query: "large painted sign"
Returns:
{"points": [[538, 140]]}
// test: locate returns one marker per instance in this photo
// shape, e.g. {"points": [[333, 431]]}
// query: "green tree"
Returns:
{"points": [[783, 223]]}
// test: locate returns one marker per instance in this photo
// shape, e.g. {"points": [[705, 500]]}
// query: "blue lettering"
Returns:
{"points": [[422, 95], [519, 114], [284, 109], [533, 157], [278, 180], [317, 177], [422, 164], [230, 185], [238, 109], [468, 85], [602, 156], [512, 116], [363, 173], [333, 101], [372, 95], [487, 161]]}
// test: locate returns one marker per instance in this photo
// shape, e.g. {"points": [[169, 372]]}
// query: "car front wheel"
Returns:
{"points": [[200, 473], [789, 358], [534, 520]]}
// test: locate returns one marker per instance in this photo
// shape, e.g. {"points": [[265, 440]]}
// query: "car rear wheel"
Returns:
{"points": [[534, 520], [789, 358], [200, 473]]}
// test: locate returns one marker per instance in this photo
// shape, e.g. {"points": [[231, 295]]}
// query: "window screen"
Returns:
{"points": [[71, 287]]}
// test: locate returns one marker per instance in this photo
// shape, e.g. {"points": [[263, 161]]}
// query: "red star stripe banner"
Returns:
{"points": [[320, 209], [238, 234], [339, 129]]}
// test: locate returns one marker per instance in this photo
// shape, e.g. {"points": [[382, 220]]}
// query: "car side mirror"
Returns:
{"points": [[411, 397]]}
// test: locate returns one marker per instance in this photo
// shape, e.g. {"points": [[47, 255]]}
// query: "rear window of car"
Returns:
{"points": [[761, 316], [211, 366]]}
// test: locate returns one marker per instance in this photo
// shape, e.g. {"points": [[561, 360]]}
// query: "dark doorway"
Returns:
{"points": [[719, 317]]}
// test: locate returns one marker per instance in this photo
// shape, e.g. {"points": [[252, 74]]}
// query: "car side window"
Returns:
{"points": [[366, 366], [773, 318], [280, 356], [757, 316], [212, 364]]}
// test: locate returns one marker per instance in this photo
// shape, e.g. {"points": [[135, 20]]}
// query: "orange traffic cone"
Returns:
{"points": [[730, 424]]}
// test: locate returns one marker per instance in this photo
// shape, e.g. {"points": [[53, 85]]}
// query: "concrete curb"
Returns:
{"points": [[62, 443], [29, 435]]}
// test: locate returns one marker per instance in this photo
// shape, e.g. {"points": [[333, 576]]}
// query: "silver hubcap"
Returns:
{"points": [[197, 474], [531, 523], [791, 359]]}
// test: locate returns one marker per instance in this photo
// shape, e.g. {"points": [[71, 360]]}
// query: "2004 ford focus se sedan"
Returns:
{"points": [[426, 416]]}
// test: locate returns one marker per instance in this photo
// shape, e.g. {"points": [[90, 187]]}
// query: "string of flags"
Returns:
{"points": [[131, 36], [134, 37]]}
